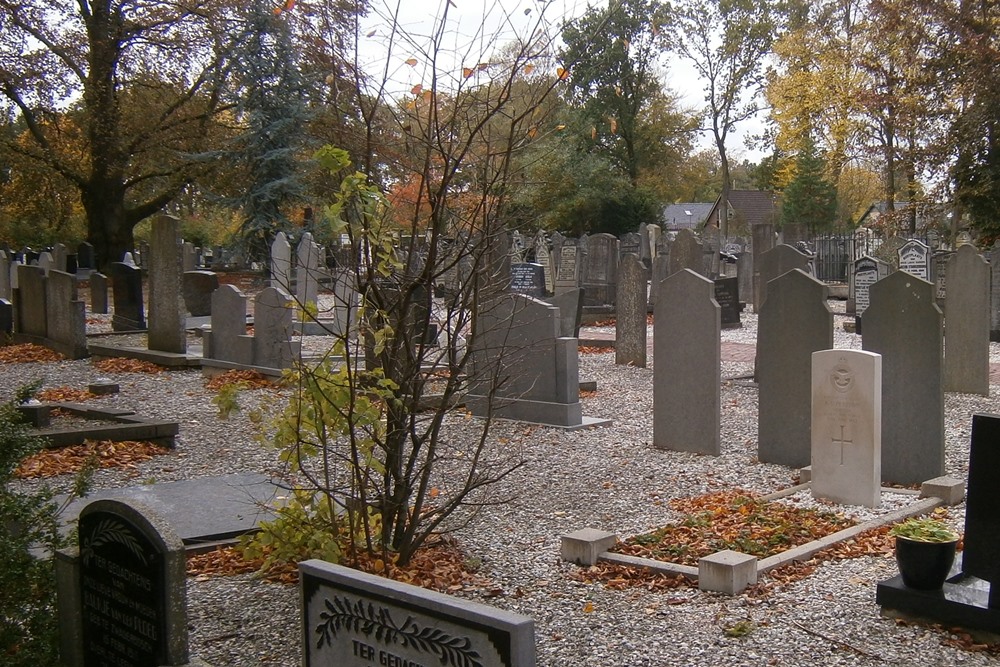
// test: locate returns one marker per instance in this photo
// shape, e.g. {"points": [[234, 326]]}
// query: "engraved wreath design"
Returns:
{"points": [[109, 530], [364, 619]]}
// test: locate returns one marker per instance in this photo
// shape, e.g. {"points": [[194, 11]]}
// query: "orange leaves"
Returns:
{"points": [[620, 577], [412, 62], [245, 380], [106, 454], [286, 6], [28, 353], [562, 73], [613, 124], [467, 72], [122, 365], [64, 395], [528, 69]]}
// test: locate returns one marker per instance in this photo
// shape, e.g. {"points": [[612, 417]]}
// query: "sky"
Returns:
{"points": [[470, 27]]}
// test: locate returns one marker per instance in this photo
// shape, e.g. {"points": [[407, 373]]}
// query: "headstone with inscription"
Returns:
{"points": [[847, 427], [939, 274], [527, 278], [600, 274], [915, 259], [544, 257], [867, 272], [686, 252], [727, 294], [355, 619], [568, 273], [123, 592]]}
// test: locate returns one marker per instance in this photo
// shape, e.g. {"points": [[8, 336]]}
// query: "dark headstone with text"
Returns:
{"points": [[354, 619], [527, 278], [727, 294]]}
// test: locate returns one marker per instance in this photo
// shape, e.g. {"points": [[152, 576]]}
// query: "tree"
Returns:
{"points": [[809, 199], [142, 83], [727, 41]]}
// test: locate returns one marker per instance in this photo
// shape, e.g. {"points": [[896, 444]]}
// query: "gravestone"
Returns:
{"points": [[188, 257], [345, 304], [867, 271], [686, 252], [355, 619], [568, 273], [228, 339], [686, 365], [198, 289], [993, 255], [5, 264], [711, 245], [522, 368], [847, 427], [659, 273], [272, 337], [123, 592], [59, 254], [939, 269], [762, 239], [630, 243], [727, 294], [915, 259], [6, 316], [654, 232], [30, 303], [46, 262], [773, 263], [982, 506], [967, 323], [66, 315], [797, 323], [544, 258], [166, 317], [281, 262], [126, 288], [527, 278], [85, 256], [98, 293], [904, 325], [630, 313], [307, 271], [645, 253], [600, 275], [570, 312]]}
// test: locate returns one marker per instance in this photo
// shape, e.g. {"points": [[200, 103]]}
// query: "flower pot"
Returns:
{"points": [[924, 565]]}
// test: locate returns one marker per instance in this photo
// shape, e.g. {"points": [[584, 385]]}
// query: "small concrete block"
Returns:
{"points": [[948, 489], [584, 546], [103, 388], [39, 416], [727, 572], [588, 385], [805, 475]]}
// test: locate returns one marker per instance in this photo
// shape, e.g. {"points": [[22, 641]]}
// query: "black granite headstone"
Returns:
{"points": [[527, 278], [6, 316], [727, 294], [126, 286], [982, 506], [85, 256]]}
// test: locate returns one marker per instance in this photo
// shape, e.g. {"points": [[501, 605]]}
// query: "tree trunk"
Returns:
{"points": [[726, 189], [107, 227]]}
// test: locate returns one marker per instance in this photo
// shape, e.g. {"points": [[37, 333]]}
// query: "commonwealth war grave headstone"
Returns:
{"points": [[967, 323], [904, 325], [847, 427], [687, 365], [354, 619], [795, 321]]}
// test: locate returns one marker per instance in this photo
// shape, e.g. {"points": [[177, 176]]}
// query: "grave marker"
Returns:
{"points": [[98, 293], [228, 340], [272, 344], [354, 619], [126, 288], [915, 259], [568, 276], [982, 505], [867, 271], [727, 294], [686, 252], [527, 278], [600, 275], [166, 319], [630, 313], [967, 320], [847, 426], [307, 271], [281, 262], [769, 265]]}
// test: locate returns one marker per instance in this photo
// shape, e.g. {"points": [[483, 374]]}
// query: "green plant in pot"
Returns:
{"points": [[925, 551]]}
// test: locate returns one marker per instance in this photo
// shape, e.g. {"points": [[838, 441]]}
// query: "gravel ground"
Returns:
{"points": [[608, 478]]}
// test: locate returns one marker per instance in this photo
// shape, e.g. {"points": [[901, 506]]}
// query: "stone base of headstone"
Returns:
{"points": [[729, 572], [189, 359], [67, 350], [213, 367], [584, 546], [568, 416], [39, 416], [948, 489], [963, 602]]}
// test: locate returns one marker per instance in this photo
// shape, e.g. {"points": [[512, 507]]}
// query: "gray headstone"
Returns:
{"points": [[967, 323], [794, 322], [272, 338], [5, 288], [687, 365], [711, 245], [686, 252], [354, 619], [939, 269], [123, 593], [166, 316], [66, 315], [46, 262], [13, 276], [544, 258], [904, 325], [568, 273], [773, 263], [630, 313], [281, 262], [659, 273], [126, 288], [867, 271], [846, 426], [198, 288], [521, 361], [307, 271], [59, 254], [98, 293], [915, 258], [189, 256], [228, 340], [30, 301], [600, 273], [761, 241], [85, 256], [570, 307], [993, 254]]}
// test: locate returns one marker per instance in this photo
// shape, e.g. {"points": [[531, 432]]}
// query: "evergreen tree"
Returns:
{"points": [[810, 199]]}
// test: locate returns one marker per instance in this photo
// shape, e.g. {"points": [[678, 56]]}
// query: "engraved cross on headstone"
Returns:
{"points": [[842, 441]]}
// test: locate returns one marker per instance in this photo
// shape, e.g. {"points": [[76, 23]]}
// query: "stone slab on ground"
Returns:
{"points": [[205, 509]]}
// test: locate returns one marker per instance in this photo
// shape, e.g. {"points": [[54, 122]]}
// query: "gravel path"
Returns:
{"points": [[608, 478]]}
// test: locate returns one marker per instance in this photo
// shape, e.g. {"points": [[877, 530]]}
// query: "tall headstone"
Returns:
{"points": [[773, 263], [600, 275], [659, 273], [939, 270], [59, 255], [867, 272], [761, 240], [46, 262], [30, 304], [166, 311], [982, 506], [5, 264], [727, 294], [568, 273], [126, 288], [123, 592], [904, 325], [847, 426], [66, 315], [544, 258], [686, 252], [993, 255], [345, 303], [307, 271], [188, 256], [795, 321], [281, 263], [98, 293], [712, 244], [687, 365], [228, 339], [915, 258], [273, 346], [630, 313], [967, 319]]}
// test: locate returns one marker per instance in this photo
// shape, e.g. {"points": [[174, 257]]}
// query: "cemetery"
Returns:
{"points": [[723, 491]]}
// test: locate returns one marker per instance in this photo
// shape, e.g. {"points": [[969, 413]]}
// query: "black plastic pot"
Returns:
{"points": [[924, 565]]}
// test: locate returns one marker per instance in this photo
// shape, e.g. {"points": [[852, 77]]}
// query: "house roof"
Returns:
{"points": [[752, 207], [675, 216]]}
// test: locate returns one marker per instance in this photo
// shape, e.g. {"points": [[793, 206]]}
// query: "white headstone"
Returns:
{"points": [[281, 262], [847, 426]]}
